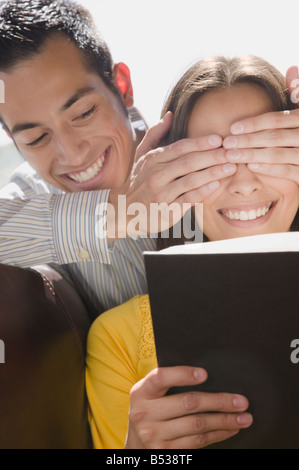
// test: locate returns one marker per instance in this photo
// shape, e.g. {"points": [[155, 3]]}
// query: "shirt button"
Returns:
{"points": [[84, 255]]}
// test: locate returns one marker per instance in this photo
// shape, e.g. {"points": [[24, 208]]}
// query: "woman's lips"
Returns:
{"points": [[250, 214]]}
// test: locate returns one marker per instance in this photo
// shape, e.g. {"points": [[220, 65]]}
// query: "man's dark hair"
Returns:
{"points": [[26, 25]]}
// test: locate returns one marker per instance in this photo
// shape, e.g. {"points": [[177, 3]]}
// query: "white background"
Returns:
{"points": [[158, 39]]}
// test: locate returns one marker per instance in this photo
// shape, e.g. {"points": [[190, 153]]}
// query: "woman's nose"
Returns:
{"points": [[244, 182]]}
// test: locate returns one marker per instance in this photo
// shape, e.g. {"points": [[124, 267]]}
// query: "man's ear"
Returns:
{"points": [[123, 82], [7, 131]]}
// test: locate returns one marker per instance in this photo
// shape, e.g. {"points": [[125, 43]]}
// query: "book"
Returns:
{"points": [[232, 307]]}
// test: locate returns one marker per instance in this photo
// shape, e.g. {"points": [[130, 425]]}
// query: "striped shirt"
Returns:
{"points": [[41, 224]]}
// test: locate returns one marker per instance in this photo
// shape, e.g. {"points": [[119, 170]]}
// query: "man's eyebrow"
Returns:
{"points": [[23, 127], [75, 97]]}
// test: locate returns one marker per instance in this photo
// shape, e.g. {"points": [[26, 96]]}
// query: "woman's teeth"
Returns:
{"points": [[252, 214], [90, 173]]}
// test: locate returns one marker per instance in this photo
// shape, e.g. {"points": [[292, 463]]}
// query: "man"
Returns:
{"points": [[66, 109], [69, 111]]}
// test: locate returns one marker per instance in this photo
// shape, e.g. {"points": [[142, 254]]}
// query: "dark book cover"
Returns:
{"points": [[235, 315]]}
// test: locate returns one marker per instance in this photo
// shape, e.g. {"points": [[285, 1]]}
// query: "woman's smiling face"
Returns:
{"points": [[246, 203]]}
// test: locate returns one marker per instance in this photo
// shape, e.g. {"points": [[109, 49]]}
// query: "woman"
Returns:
{"points": [[122, 372]]}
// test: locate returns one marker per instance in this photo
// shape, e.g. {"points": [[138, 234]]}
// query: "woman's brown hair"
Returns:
{"points": [[220, 72]]}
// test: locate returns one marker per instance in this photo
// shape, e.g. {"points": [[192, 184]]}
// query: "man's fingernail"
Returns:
{"points": [[230, 142], [237, 128], [253, 166], [214, 185], [233, 154], [215, 140], [229, 168]]}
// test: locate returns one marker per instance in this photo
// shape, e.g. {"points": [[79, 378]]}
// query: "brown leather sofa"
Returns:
{"points": [[43, 328]]}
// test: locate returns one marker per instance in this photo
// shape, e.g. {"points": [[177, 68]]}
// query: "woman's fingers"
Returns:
{"points": [[191, 403], [200, 423], [189, 420], [160, 380], [199, 441]]}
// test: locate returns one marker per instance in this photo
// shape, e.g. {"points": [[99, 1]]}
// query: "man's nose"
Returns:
{"points": [[244, 182], [71, 149]]}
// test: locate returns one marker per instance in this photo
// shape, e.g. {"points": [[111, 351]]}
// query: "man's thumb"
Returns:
{"points": [[154, 136], [292, 83]]}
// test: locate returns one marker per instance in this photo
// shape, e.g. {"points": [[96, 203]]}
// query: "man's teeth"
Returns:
{"points": [[247, 215], [90, 173]]}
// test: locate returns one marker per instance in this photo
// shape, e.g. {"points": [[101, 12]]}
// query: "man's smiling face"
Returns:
{"points": [[70, 127]]}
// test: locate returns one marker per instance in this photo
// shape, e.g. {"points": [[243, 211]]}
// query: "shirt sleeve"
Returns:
{"points": [[112, 370], [52, 228]]}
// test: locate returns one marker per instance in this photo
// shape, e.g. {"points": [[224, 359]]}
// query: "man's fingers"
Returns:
{"points": [[177, 149], [154, 136], [213, 160], [268, 138], [264, 155], [290, 172], [205, 181], [272, 120], [184, 147]]}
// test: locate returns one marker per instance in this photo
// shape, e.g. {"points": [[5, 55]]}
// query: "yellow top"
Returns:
{"points": [[120, 352]]}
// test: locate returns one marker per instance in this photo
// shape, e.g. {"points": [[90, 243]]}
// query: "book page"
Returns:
{"points": [[274, 242]]}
